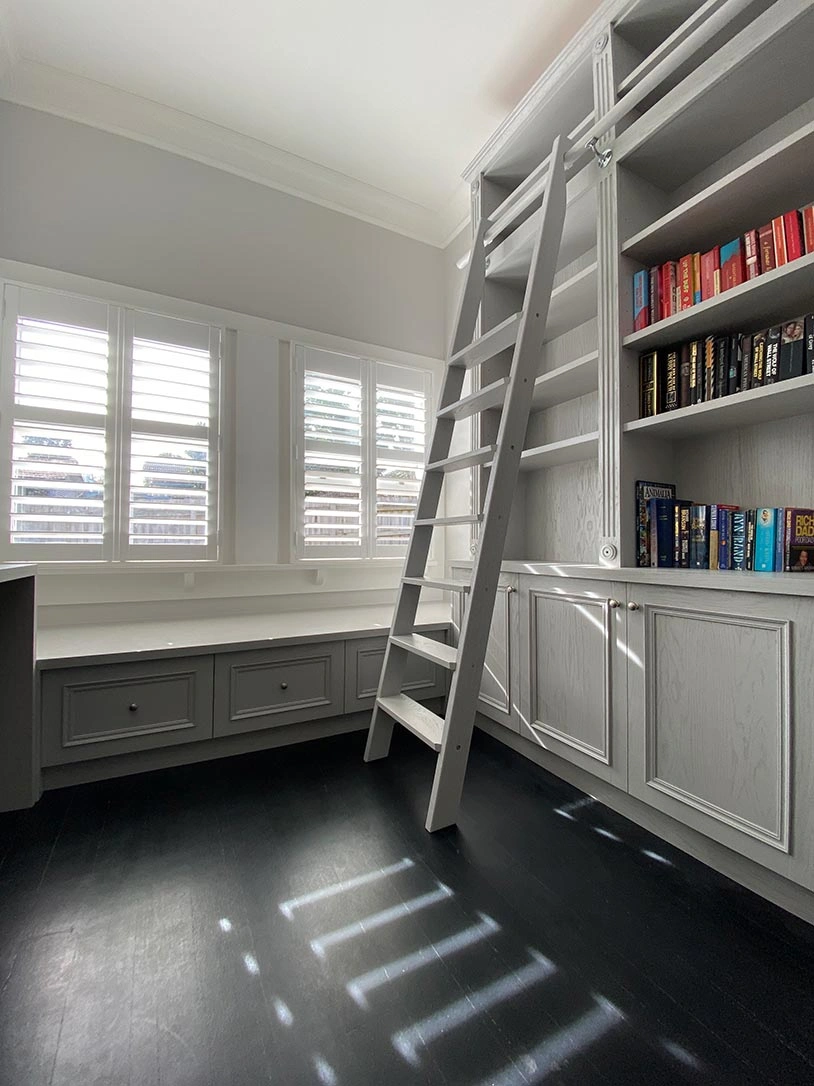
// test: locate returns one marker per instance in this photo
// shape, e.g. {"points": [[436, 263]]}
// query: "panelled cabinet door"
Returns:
{"points": [[364, 657], [573, 672], [717, 681], [500, 680]]}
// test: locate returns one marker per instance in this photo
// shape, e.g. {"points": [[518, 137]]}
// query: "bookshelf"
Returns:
{"points": [[709, 152]]}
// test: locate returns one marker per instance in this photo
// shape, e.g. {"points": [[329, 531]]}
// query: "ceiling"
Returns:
{"points": [[374, 108]]}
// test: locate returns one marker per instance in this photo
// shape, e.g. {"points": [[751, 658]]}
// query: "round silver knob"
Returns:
{"points": [[132, 707], [284, 686], [633, 606], [613, 603]]}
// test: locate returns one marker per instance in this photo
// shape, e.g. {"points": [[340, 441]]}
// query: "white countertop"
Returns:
{"points": [[103, 643], [15, 570]]}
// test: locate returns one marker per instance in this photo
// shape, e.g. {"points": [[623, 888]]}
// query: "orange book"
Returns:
{"points": [[696, 277], [686, 292], [779, 235], [808, 227]]}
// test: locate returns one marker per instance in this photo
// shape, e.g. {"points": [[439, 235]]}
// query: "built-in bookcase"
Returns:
{"points": [[722, 144]]}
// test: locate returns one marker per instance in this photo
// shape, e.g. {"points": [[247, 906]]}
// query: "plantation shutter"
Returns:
{"points": [[401, 402]]}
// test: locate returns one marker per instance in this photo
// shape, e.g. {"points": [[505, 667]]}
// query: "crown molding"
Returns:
{"points": [[52, 90]]}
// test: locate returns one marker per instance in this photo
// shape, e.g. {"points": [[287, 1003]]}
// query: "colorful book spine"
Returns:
{"points": [[646, 490], [710, 273], [751, 254], [739, 539], [798, 556], [699, 537], [696, 371], [641, 300], [654, 304], [696, 278], [792, 349], [686, 293], [780, 541], [733, 266], [724, 538], [669, 289], [709, 368], [808, 228], [714, 535], [765, 237], [750, 538], [682, 548], [793, 230], [758, 358], [779, 236], [771, 369], [765, 541]]}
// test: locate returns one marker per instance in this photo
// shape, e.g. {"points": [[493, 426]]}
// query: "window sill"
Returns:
{"points": [[204, 567]]}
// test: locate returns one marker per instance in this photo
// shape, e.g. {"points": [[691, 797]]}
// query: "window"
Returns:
{"points": [[361, 436], [109, 431]]}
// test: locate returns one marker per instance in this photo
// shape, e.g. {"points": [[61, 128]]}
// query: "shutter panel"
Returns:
{"points": [[401, 407]]}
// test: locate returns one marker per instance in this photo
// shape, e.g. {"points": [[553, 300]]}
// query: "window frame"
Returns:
{"points": [[115, 549], [368, 550]]}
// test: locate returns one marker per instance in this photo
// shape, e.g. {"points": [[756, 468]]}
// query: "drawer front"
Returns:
{"points": [[364, 658], [95, 712], [269, 688]]}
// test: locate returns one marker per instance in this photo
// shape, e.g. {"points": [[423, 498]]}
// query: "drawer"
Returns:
{"points": [[268, 688], [95, 712], [363, 661]]}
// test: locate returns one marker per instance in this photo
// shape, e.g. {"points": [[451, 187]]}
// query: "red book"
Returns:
{"points": [[779, 235], [733, 268], [710, 273], [793, 229], [669, 289], [685, 283], [752, 253], [765, 239], [808, 227]]}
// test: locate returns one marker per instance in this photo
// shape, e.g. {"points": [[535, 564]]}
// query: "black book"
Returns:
{"points": [[684, 391], [697, 371], [681, 550], [792, 349], [735, 358], [771, 368], [746, 364], [721, 365], [699, 537], [758, 358], [648, 384], [751, 521], [809, 344], [709, 368], [671, 379]]}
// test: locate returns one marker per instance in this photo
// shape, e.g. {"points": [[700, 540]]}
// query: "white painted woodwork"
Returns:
{"points": [[568, 451], [270, 688], [566, 382], [494, 341], [574, 672], [422, 722], [443, 655], [484, 399], [463, 460], [364, 657], [97, 712]]}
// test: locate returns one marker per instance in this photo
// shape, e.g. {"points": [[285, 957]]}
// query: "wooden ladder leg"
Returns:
{"points": [[379, 736]]}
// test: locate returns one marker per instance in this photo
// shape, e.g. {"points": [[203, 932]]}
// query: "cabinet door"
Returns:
{"points": [[573, 673], [94, 712], [499, 683], [268, 688], [364, 657], [714, 679]]}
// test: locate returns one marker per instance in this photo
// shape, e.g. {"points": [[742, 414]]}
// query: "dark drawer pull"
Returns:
{"points": [[284, 686], [132, 707]]}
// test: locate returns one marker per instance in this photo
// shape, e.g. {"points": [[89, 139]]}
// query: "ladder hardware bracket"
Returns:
{"points": [[602, 157]]}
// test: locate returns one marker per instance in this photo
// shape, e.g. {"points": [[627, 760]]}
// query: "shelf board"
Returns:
{"points": [[722, 103], [782, 400], [566, 382], [777, 295], [511, 259], [768, 184], [570, 451]]}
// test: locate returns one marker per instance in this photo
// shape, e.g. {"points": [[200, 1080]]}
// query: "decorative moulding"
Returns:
{"points": [[51, 90]]}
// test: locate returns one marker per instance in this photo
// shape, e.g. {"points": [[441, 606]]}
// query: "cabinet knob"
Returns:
{"points": [[132, 707], [613, 603], [633, 606], [284, 686]]}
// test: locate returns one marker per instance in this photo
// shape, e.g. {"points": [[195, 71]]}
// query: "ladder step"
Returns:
{"points": [[415, 717], [449, 522], [464, 460], [439, 653], [444, 583], [491, 343], [491, 395]]}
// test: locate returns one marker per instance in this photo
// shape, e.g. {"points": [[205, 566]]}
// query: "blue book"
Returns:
{"points": [[765, 540], [724, 538], [699, 537], [662, 531], [739, 539], [780, 541]]}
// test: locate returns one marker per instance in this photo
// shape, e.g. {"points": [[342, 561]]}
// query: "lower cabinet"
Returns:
{"points": [[363, 664], [268, 688], [721, 703], [500, 682], [95, 712], [573, 672]]}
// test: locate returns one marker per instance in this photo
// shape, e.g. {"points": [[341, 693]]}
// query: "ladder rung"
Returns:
{"points": [[446, 584], [491, 395], [491, 343], [449, 522], [424, 723], [437, 651], [464, 460]]}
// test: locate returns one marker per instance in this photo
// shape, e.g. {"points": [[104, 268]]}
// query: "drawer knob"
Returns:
{"points": [[284, 686], [132, 707], [633, 606], [613, 603]]}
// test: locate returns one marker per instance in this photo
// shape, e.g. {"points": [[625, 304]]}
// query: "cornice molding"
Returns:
{"points": [[51, 90]]}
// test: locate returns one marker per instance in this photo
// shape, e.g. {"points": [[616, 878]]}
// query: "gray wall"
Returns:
{"points": [[85, 201]]}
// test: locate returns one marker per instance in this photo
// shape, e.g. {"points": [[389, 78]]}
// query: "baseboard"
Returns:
{"points": [[747, 873]]}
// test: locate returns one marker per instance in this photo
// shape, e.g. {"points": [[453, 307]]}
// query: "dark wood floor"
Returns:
{"points": [[284, 918]]}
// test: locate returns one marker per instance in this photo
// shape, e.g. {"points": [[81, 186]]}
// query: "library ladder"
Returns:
{"points": [[451, 734]]}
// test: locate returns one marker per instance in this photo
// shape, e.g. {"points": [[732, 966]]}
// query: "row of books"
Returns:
{"points": [[715, 366], [676, 285], [677, 534]]}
